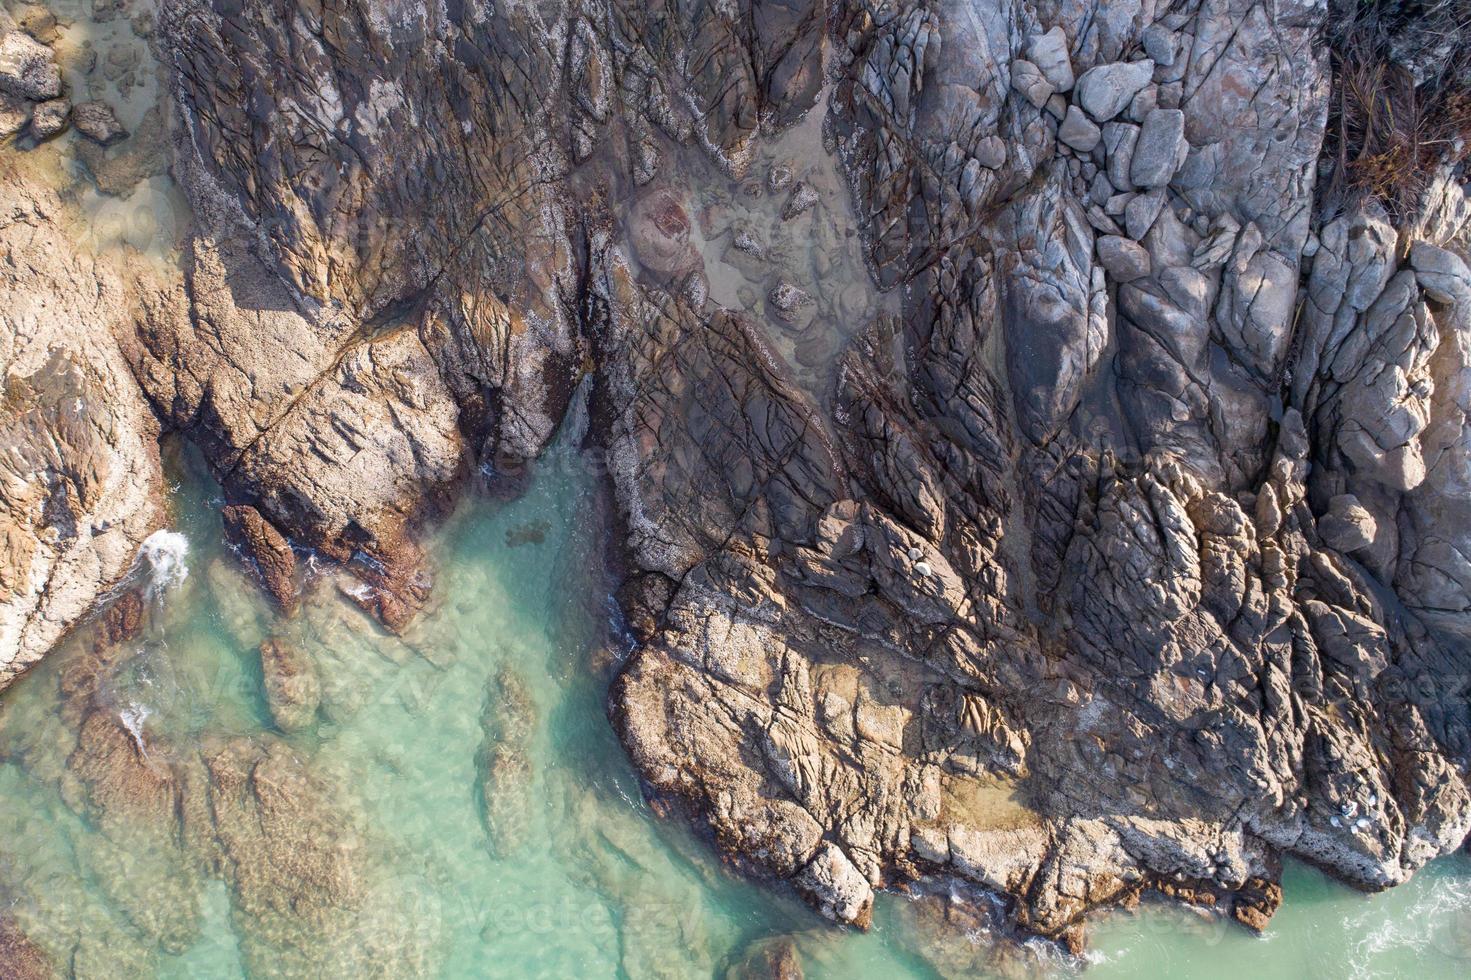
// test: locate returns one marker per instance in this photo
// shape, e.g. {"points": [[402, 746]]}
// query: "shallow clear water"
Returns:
{"points": [[582, 880]]}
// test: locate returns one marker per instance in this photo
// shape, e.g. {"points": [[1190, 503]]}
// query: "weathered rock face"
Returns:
{"points": [[1130, 554], [1055, 615], [80, 483]]}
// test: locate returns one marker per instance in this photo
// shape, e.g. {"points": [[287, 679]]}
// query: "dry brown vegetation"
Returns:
{"points": [[1402, 96]]}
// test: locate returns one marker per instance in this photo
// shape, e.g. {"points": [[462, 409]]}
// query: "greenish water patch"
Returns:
{"points": [[594, 885], [496, 829], [1324, 929]]}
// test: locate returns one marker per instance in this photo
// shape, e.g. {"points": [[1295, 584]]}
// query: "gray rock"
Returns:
{"points": [[1119, 139], [1141, 212], [1348, 525], [991, 152], [1028, 79], [1159, 44], [1105, 91], [1078, 131], [1049, 52], [27, 68], [98, 122], [50, 118], [1160, 149], [1442, 274], [1116, 206], [1142, 104], [1101, 222], [1125, 259]]}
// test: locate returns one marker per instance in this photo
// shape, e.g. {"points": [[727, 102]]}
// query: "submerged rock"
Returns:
{"points": [[508, 721], [292, 687], [788, 300], [98, 122], [20, 959], [660, 233], [803, 198], [768, 959]]}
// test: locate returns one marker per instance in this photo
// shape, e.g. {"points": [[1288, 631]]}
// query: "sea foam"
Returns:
{"points": [[166, 553]]}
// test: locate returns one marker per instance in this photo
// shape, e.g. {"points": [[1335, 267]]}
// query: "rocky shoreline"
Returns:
{"points": [[1106, 533]]}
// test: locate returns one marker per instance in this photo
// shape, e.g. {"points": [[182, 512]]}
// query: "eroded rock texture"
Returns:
{"points": [[80, 483], [1130, 553]]}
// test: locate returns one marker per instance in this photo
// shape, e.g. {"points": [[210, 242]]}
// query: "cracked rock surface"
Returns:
{"points": [[1130, 553], [80, 481]]}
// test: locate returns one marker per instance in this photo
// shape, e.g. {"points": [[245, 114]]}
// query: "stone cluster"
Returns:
{"points": [[33, 97]]}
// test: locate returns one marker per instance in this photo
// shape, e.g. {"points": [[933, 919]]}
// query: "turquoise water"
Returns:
{"points": [[464, 783]]}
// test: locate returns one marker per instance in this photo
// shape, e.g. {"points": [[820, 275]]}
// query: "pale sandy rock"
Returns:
{"points": [[80, 482], [837, 888], [27, 67]]}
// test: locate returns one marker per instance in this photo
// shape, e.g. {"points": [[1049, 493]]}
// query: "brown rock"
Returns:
{"points": [[98, 122], [49, 118], [1255, 904], [266, 550], [21, 959]]}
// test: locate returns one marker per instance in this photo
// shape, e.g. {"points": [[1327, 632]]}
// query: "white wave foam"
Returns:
{"points": [[166, 553], [133, 716], [1433, 922]]}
